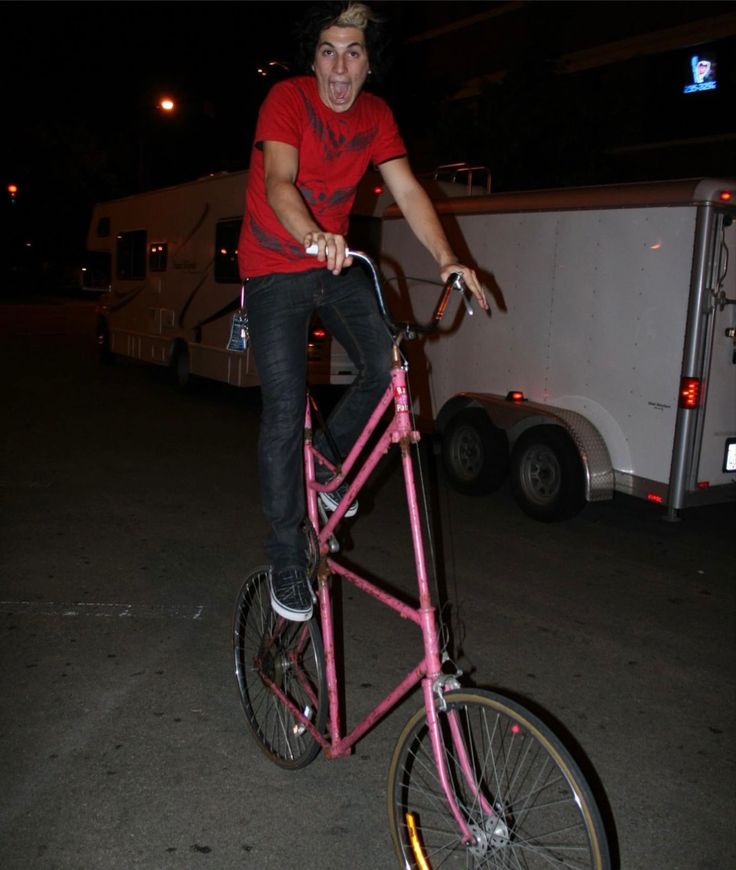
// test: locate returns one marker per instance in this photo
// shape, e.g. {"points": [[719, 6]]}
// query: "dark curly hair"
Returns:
{"points": [[320, 16]]}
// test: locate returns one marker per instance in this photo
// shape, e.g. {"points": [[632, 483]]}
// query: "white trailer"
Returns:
{"points": [[608, 363]]}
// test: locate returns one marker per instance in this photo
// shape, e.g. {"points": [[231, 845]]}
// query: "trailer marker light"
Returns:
{"points": [[515, 396], [726, 196], [703, 484], [318, 333], [652, 496], [689, 393]]}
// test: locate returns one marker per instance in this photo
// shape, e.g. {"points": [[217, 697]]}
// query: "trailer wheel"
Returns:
{"points": [[475, 454], [547, 474]]}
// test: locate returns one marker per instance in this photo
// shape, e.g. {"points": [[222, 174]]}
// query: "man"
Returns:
{"points": [[316, 136]]}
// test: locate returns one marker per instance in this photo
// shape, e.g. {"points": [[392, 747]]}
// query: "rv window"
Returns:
{"points": [[131, 256], [157, 256], [226, 251], [103, 227]]}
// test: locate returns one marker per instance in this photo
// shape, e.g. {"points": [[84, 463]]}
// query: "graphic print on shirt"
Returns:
{"points": [[319, 202], [334, 144], [273, 243]]}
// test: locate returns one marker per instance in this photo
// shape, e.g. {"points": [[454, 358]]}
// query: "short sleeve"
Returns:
{"points": [[280, 119], [388, 145]]}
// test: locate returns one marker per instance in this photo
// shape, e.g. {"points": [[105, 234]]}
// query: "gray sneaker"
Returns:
{"points": [[291, 596], [330, 500]]}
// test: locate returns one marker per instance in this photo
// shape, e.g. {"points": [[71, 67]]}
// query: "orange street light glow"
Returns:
{"points": [[167, 104]]}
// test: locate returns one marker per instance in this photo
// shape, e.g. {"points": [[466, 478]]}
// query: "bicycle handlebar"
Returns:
{"points": [[408, 329]]}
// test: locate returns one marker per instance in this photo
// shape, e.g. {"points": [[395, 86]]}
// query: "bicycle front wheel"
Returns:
{"points": [[273, 652], [521, 794]]}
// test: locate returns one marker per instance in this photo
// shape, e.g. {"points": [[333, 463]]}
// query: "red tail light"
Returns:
{"points": [[689, 392], [515, 396]]}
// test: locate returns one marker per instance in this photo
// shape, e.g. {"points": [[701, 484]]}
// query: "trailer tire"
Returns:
{"points": [[475, 453], [547, 475]]}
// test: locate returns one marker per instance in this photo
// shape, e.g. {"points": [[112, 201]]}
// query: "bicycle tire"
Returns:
{"points": [[288, 654], [547, 815]]}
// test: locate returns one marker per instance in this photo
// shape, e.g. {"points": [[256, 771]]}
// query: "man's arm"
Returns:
{"points": [[280, 166], [421, 216]]}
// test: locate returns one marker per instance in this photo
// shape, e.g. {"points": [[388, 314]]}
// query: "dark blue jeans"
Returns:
{"points": [[280, 308]]}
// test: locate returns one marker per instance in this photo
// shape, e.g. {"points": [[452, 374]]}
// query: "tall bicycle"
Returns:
{"points": [[475, 780]]}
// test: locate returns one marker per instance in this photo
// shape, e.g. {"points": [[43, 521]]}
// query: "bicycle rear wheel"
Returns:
{"points": [[270, 650], [544, 814]]}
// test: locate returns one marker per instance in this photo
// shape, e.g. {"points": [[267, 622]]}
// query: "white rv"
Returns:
{"points": [[166, 261], [608, 363]]}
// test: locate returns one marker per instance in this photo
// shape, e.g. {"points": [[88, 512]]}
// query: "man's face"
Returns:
{"points": [[341, 66]]}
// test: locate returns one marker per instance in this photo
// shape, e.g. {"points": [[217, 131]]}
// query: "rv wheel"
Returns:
{"points": [[180, 365], [547, 474], [475, 454], [103, 341]]}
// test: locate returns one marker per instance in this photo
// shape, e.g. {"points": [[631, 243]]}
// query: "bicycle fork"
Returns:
{"points": [[435, 684]]}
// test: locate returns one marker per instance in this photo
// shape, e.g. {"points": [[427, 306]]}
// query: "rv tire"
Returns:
{"points": [[102, 333], [475, 453], [180, 365], [547, 474]]}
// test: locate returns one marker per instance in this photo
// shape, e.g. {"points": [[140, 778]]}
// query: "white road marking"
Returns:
{"points": [[103, 609]]}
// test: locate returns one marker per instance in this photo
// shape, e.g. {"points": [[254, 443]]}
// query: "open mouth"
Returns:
{"points": [[339, 92]]}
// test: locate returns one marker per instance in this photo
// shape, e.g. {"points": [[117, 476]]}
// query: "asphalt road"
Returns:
{"points": [[129, 520]]}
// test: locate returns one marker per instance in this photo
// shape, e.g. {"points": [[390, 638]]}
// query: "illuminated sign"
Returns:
{"points": [[703, 74]]}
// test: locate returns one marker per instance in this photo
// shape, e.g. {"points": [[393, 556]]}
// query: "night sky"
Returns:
{"points": [[81, 81]]}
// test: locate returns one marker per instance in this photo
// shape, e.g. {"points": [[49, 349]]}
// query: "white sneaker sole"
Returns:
{"points": [[330, 504], [287, 612]]}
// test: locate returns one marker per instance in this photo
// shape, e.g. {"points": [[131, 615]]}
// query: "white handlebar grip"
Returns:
{"points": [[313, 250]]}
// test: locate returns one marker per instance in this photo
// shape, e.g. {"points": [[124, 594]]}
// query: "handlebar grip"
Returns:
{"points": [[313, 250]]}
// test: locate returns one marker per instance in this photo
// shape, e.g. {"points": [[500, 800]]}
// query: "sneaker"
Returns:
{"points": [[330, 500], [291, 596]]}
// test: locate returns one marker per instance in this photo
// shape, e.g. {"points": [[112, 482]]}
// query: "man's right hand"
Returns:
{"points": [[331, 250]]}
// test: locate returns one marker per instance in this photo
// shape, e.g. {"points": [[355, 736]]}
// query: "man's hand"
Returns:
{"points": [[471, 279], [331, 250]]}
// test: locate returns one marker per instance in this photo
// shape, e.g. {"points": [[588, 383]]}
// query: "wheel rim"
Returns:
{"points": [[542, 817], [272, 651], [466, 453], [540, 474]]}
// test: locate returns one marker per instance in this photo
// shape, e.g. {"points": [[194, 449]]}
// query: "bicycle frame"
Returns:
{"points": [[428, 671]]}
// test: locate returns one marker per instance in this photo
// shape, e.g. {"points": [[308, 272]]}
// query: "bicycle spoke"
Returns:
{"points": [[538, 809], [274, 655]]}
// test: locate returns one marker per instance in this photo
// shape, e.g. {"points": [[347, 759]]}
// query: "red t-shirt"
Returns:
{"points": [[335, 149]]}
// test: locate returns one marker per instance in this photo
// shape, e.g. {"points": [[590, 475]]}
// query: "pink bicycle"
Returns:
{"points": [[475, 779]]}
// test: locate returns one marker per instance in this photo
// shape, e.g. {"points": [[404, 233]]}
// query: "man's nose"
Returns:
{"points": [[340, 63]]}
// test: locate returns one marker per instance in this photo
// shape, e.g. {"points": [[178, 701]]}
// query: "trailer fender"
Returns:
{"points": [[515, 418]]}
